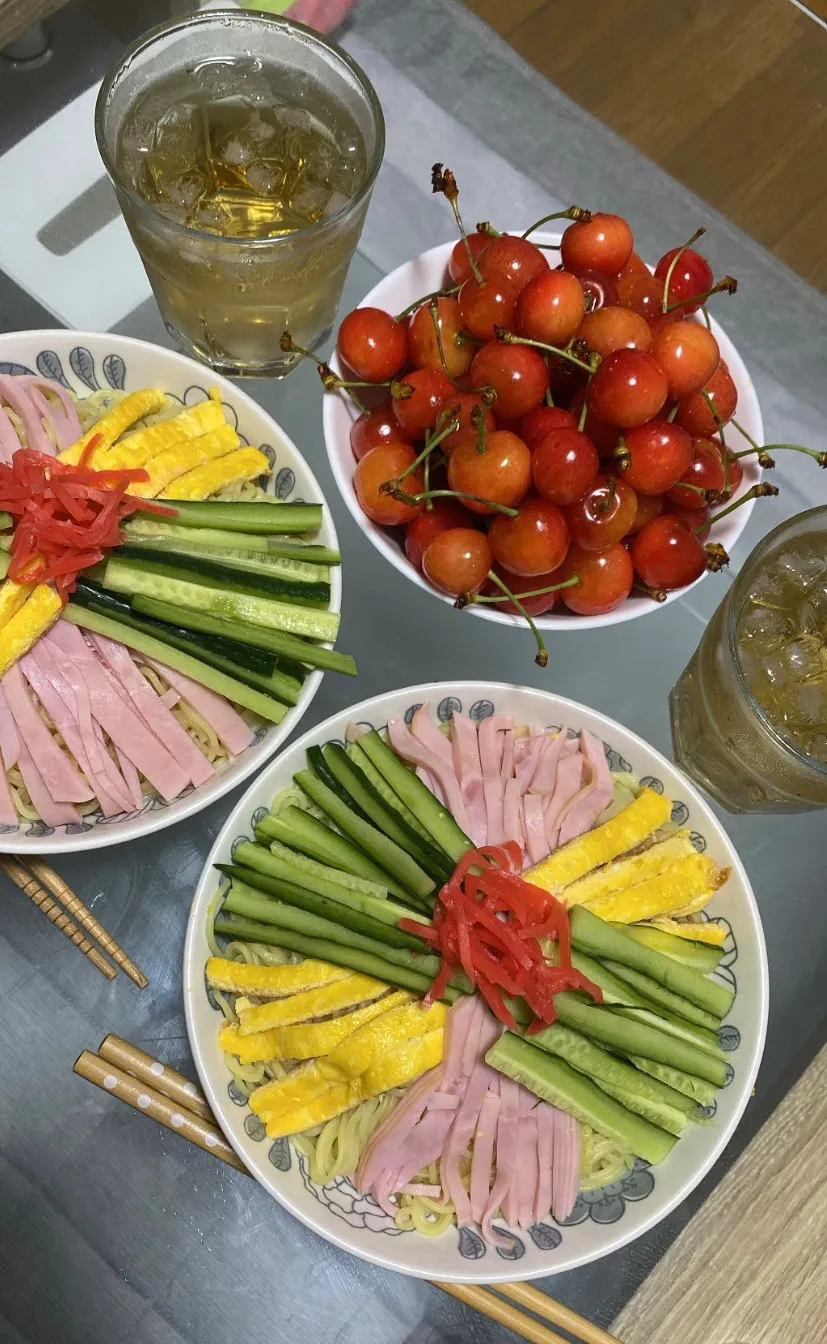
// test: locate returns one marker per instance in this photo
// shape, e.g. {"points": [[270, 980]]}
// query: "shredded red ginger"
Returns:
{"points": [[489, 923], [67, 516]]}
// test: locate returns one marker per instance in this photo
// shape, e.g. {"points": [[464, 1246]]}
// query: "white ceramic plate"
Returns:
{"points": [[87, 362], [602, 1221], [425, 274]]}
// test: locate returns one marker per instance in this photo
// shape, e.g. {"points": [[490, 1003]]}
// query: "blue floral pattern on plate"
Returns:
{"points": [[604, 1206]]}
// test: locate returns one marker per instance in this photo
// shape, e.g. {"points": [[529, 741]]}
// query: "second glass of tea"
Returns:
{"points": [[243, 149], [749, 713]]}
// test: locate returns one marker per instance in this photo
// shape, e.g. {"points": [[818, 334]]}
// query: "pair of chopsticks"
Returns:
{"points": [[71, 916], [175, 1102]]}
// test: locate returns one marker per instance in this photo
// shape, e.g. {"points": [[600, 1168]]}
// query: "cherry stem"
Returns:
{"points": [[443, 180], [575, 212], [716, 557], [431, 443], [719, 425], [549, 398], [435, 294], [510, 338], [820, 458], [673, 263], [727, 285], [584, 409], [405, 498], [622, 453], [707, 318], [426, 482], [604, 504], [656, 594], [759, 491], [433, 309], [541, 657], [330, 381], [674, 411], [488, 229], [478, 422], [535, 592]]}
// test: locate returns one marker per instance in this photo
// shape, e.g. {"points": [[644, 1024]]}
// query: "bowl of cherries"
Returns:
{"points": [[539, 426]]}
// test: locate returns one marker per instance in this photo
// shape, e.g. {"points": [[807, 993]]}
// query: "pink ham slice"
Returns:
{"points": [[545, 1160], [528, 1174], [121, 724], [545, 775], [507, 1156], [424, 728], [63, 417], [482, 1159], [153, 711], [465, 753], [536, 838], [219, 713], [17, 397], [54, 814], [566, 1174], [595, 794], [9, 754], [131, 778], [59, 775], [569, 774], [416, 753], [512, 813], [491, 739]]}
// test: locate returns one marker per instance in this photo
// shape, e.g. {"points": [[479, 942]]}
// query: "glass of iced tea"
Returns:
{"points": [[243, 149], [749, 713]]}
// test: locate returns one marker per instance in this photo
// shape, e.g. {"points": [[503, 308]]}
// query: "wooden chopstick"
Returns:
{"points": [[55, 884], [171, 1099], [32, 888]]}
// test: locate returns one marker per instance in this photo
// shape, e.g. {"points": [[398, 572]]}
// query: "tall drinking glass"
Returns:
{"points": [[749, 713], [243, 149]]}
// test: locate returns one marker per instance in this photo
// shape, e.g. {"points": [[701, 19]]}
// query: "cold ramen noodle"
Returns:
{"points": [[157, 606], [464, 966]]}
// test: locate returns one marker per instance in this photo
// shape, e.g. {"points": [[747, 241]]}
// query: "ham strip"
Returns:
{"points": [[528, 1174], [131, 779], [21, 403], [65, 417], [219, 713], [465, 754], [512, 813], [506, 1158], [569, 771], [566, 1175], [9, 736], [424, 728], [593, 751], [59, 775], [546, 772], [536, 837], [153, 711], [483, 1155], [545, 1160], [416, 753], [491, 752], [54, 814]]}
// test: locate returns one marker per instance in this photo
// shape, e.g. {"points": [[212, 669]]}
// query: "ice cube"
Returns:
{"points": [[765, 627], [801, 568], [803, 705], [233, 79], [309, 200], [797, 661]]}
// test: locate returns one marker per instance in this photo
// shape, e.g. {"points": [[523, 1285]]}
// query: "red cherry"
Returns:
{"points": [[457, 561], [420, 533], [372, 343], [550, 308], [735, 472], [461, 405], [534, 427], [487, 305], [534, 542], [598, 290], [535, 606], [666, 554], [380, 465], [603, 515], [659, 455], [692, 275], [420, 410], [459, 267], [372, 429], [514, 257], [634, 266], [606, 579], [694, 414], [605, 437], [697, 520], [628, 389], [564, 465], [502, 474], [688, 354], [705, 472], [423, 347], [610, 329], [648, 507], [517, 373], [604, 244], [641, 293]]}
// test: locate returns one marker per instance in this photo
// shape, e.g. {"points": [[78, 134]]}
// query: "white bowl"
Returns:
{"points": [[602, 1222], [85, 362], [427, 273]]}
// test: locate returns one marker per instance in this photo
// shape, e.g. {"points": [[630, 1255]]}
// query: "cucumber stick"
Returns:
{"points": [[256, 582], [630, 1036], [247, 696], [251, 561], [140, 527], [700, 1092], [124, 576], [284, 645], [299, 830], [558, 1083], [387, 854], [361, 759], [629, 1003], [321, 870], [323, 944], [375, 809], [591, 934], [260, 516], [607, 1069], [656, 994], [417, 796], [704, 957]]}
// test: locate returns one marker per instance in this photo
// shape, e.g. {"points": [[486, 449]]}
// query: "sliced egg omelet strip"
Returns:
{"points": [[237, 977], [245, 464], [37, 614], [307, 1040], [629, 828], [137, 449], [354, 990], [112, 425], [184, 457], [623, 873], [681, 889]]}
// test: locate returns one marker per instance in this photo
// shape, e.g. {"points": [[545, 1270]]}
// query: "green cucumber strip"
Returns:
{"points": [[417, 796], [310, 552], [702, 956], [700, 1092], [673, 1025], [594, 935], [299, 830], [215, 574], [247, 696], [6, 521], [371, 804], [314, 869], [249, 561], [125, 577], [317, 763], [387, 854], [668, 1117], [378, 907], [263, 517], [630, 1036], [291, 647], [142, 526], [361, 759], [664, 998], [557, 1082], [607, 1069]]}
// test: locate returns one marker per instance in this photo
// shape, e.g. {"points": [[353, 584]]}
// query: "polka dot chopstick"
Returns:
{"points": [[160, 1076]]}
